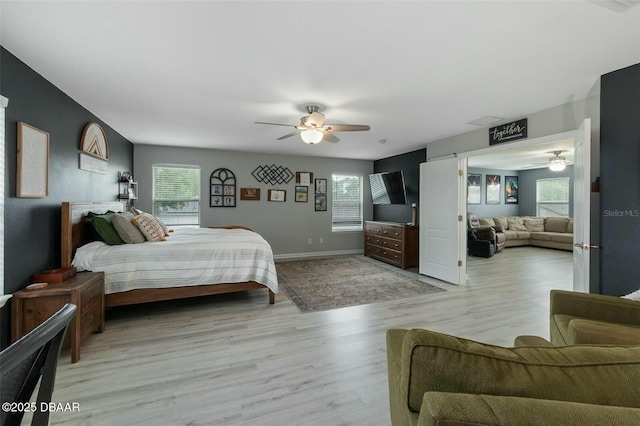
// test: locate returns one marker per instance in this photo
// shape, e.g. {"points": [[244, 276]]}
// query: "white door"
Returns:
{"points": [[581, 207], [442, 229]]}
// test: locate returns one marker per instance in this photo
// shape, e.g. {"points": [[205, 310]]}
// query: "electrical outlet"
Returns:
{"points": [[309, 241], [321, 240]]}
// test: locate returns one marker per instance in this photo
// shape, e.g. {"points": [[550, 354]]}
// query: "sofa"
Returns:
{"points": [[583, 318], [550, 232], [437, 379]]}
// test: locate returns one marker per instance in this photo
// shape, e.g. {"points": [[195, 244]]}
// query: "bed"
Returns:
{"points": [[246, 258]]}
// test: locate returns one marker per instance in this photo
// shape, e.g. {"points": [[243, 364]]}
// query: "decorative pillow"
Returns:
{"points": [[633, 296], [487, 221], [163, 226], [534, 224], [149, 227], [129, 233], [516, 223], [502, 221], [103, 226]]}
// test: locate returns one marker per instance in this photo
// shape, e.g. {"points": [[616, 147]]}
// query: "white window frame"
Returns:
{"points": [[198, 194], [4, 102], [567, 202], [335, 226]]}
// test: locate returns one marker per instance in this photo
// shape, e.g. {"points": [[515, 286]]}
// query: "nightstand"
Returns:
{"points": [[30, 308]]}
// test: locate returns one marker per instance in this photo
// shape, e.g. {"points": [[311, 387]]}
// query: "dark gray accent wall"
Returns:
{"points": [[409, 163], [32, 226], [620, 181]]}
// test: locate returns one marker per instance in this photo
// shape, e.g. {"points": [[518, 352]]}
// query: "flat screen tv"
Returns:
{"points": [[388, 188]]}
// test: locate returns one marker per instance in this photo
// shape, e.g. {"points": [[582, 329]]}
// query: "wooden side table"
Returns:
{"points": [[30, 308]]}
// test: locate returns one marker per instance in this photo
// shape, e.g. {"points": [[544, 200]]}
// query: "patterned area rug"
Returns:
{"points": [[337, 282]]}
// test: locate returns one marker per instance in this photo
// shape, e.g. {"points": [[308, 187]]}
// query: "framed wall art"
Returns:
{"points": [[474, 188], [223, 188], [32, 171], [279, 195], [250, 194], [321, 203], [321, 186], [302, 194], [511, 189], [304, 178], [493, 189]]}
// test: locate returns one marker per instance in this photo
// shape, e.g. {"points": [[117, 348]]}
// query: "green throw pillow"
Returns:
{"points": [[103, 225]]}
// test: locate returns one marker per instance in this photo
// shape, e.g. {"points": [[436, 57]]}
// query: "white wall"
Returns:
{"points": [[286, 226]]}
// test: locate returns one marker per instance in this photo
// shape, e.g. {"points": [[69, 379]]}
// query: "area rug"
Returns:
{"points": [[338, 282]]}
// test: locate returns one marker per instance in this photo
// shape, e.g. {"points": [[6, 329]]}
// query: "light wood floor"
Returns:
{"points": [[235, 360]]}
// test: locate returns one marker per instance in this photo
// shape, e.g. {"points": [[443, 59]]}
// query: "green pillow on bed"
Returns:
{"points": [[103, 225]]}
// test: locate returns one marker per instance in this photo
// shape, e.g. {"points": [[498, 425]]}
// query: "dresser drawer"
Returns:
{"points": [[373, 239], [91, 320], [392, 232], [90, 297], [390, 256], [372, 228]]}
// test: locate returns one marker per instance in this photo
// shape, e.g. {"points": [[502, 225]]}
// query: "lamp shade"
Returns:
{"points": [[311, 136], [557, 166]]}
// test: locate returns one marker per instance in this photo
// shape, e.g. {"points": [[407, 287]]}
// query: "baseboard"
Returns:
{"points": [[309, 255]]}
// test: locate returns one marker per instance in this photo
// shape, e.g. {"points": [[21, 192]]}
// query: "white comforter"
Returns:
{"points": [[188, 257]]}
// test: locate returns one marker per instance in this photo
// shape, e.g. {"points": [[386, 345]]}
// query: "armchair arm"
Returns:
{"points": [[595, 307], [466, 409]]}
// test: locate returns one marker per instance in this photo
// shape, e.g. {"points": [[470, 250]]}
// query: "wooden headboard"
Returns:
{"points": [[74, 229]]}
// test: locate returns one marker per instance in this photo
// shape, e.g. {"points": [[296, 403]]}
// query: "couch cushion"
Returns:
{"points": [[562, 238], [487, 221], [606, 375], [542, 236], [570, 226], [584, 331], [501, 221], [516, 223], [534, 224], [556, 224]]}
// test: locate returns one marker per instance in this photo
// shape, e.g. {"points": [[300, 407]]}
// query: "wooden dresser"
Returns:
{"points": [[30, 308], [394, 243]]}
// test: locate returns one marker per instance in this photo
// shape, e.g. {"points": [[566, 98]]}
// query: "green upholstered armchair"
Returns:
{"points": [[583, 318], [436, 379]]}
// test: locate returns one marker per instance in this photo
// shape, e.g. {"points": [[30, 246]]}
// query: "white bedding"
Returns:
{"points": [[188, 257]]}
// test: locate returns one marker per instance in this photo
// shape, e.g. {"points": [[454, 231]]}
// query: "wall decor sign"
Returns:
{"points": [[474, 188], [511, 189], [302, 194], [493, 189], [223, 188], [250, 194], [508, 132], [32, 172], [272, 174], [94, 141]]}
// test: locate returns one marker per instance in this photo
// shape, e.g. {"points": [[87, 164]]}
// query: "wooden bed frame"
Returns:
{"points": [[75, 234]]}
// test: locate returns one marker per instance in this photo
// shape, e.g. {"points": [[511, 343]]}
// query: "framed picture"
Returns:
{"points": [[277, 195], [302, 194], [511, 189], [32, 171], [304, 178], [216, 189], [250, 194], [321, 203], [493, 189], [321, 186], [474, 188]]}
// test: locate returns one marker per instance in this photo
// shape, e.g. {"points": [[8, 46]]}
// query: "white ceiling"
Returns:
{"points": [[199, 74]]}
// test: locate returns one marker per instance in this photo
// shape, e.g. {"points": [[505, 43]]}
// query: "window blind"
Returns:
{"points": [[346, 212], [176, 195]]}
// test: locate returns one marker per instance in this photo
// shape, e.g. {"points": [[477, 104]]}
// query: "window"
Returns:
{"points": [[176, 195], [346, 212], [552, 197]]}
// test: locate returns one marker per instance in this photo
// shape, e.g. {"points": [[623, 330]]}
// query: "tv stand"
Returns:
{"points": [[391, 242]]}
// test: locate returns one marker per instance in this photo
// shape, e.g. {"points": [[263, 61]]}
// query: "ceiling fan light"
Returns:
{"points": [[311, 136], [557, 166]]}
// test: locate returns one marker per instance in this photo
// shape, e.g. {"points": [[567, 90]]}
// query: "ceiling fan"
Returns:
{"points": [[312, 128], [557, 163]]}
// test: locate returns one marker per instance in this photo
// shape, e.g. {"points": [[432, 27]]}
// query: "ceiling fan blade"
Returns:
{"points": [[297, 132], [347, 127], [329, 137], [274, 124]]}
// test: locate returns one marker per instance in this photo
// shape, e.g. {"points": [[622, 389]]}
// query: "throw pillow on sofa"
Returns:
{"points": [[516, 224], [556, 224], [534, 224]]}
